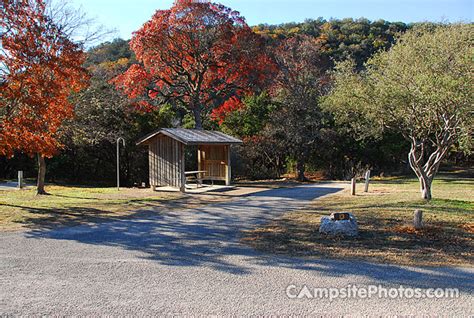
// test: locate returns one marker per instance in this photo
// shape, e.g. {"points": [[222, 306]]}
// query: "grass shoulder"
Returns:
{"points": [[75, 205], [384, 216]]}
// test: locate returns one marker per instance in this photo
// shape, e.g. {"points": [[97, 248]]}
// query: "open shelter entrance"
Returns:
{"points": [[167, 161]]}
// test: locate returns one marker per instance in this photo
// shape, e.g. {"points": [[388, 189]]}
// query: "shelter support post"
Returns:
{"points": [[182, 169], [228, 172]]}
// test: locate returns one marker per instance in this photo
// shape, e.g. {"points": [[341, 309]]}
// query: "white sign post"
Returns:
{"points": [[367, 180], [20, 180]]}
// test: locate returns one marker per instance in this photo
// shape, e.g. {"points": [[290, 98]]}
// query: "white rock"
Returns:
{"points": [[329, 226]]}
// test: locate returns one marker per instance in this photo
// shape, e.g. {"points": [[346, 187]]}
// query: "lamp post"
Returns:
{"points": [[120, 139]]}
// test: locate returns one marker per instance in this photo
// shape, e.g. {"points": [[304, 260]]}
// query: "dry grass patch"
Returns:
{"points": [[384, 215]]}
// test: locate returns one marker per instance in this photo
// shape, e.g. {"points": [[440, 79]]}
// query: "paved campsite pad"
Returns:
{"points": [[190, 262], [11, 186]]}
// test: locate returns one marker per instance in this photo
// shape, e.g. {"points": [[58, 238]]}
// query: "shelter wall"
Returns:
{"points": [[166, 162]]}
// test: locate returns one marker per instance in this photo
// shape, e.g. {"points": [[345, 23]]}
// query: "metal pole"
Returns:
{"points": [[20, 179], [120, 139]]}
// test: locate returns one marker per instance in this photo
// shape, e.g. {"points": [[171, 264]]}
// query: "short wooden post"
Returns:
{"points": [[353, 186], [367, 180], [418, 219], [20, 180]]}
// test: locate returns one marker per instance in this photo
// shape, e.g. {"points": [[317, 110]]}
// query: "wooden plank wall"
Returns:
{"points": [[213, 159], [166, 162]]}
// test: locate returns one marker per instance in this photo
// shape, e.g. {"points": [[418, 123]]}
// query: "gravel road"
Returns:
{"points": [[191, 263]]}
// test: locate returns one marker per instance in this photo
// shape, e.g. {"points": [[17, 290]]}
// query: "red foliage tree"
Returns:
{"points": [[219, 114], [39, 68], [196, 55]]}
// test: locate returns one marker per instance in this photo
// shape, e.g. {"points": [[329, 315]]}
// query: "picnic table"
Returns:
{"points": [[197, 176]]}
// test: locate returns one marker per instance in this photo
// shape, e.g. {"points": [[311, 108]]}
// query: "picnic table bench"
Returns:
{"points": [[195, 175]]}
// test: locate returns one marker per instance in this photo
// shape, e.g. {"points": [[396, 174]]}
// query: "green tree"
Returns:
{"points": [[250, 119], [260, 156], [421, 88]]}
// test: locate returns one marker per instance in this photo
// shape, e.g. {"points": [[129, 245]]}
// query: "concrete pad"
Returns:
{"points": [[219, 190], [192, 189]]}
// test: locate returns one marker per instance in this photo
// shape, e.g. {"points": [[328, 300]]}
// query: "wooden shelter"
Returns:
{"points": [[167, 156]]}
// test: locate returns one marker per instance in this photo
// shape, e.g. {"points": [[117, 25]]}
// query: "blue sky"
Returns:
{"points": [[127, 16]]}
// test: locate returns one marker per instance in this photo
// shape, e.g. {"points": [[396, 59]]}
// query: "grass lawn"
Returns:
{"points": [[384, 215], [75, 205], [72, 205], [68, 206]]}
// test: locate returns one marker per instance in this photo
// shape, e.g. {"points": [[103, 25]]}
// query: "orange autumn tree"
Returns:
{"points": [[39, 68], [196, 55]]}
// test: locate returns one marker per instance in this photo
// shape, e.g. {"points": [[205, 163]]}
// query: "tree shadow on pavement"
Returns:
{"points": [[209, 236]]}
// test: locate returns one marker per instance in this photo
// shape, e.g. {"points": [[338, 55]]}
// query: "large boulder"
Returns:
{"points": [[339, 224]]}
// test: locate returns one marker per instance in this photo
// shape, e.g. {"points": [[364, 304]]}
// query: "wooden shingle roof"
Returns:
{"points": [[191, 137]]}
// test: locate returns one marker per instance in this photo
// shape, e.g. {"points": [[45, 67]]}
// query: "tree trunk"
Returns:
{"points": [[300, 169], [41, 175], [426, 169], [425, 185], [197, 117]]}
